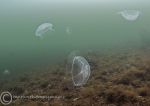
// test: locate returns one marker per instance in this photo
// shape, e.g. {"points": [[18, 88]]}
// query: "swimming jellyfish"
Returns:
{"points": [[43, 28], [130, 15], [80, 71], [6, 72], [68, 30]]}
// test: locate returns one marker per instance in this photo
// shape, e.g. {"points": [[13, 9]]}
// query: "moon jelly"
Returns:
{"points": [[68, 30], [43, 28], [80, 71], [6, 72], [130, 15]]}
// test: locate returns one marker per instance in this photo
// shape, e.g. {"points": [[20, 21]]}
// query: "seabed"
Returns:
{"points": [[117, 79]]}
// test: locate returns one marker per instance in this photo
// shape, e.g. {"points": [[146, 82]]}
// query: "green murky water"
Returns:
{"points": [[95, 25]]}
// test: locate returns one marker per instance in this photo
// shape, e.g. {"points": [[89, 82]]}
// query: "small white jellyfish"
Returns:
{"points": [[6, 72], [80, 71], [130, 15], [68, 30], [43, 28]]}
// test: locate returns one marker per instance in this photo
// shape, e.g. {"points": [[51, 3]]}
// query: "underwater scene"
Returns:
{"points": [[74, 53]]}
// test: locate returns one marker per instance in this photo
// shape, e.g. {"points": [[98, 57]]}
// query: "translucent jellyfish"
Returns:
{"points": [[130, 15], [43, 28], [6, 72], [80, 71], [68, 30]]}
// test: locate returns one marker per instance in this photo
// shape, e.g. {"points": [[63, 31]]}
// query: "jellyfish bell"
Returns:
{"points": [[79, 68], [68, 30], [6, 72], [43, 28], [130, 15], [80, 71]]}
